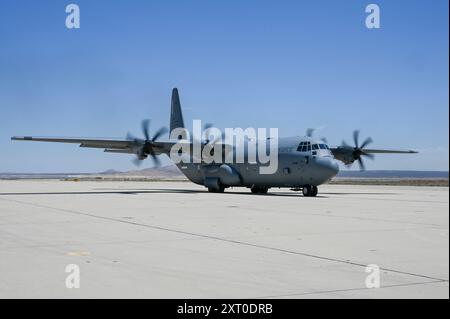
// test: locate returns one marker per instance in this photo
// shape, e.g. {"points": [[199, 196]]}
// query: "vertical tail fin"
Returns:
{"points": [[176, 117]]}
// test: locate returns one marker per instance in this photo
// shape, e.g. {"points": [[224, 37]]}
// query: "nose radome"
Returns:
{"points": [[334, 167], [329, 166]]}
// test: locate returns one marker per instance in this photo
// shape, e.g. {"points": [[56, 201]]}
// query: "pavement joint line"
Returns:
{"points": [[349, 289], [226, 240]]}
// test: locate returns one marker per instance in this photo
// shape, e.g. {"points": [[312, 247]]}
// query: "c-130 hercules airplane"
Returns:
{"points": [[303, 162]]}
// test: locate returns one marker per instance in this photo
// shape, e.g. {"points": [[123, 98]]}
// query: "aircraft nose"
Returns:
{"points": [[329, 167]]}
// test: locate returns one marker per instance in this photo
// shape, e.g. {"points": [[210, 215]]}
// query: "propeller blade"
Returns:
{"points": [[310, 132], [146, 128], [362, 167], [344, 144], [366, 142], [356, 138], [130, 137], [137, 161], [156, 161], [163, 130], [324, 139], [207, 126], [133, 138], [371, 156]]}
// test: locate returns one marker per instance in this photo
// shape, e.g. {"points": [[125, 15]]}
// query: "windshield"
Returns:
{"points": [[315, 148]]}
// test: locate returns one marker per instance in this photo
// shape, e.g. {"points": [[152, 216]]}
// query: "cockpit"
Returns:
{"points": [[314, 148]]}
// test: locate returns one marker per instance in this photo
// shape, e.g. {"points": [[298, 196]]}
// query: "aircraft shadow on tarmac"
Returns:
{"points": [[176, 191], [137, 192]]}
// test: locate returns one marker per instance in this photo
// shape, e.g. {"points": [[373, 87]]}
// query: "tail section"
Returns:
{"points": [[176, 117]]}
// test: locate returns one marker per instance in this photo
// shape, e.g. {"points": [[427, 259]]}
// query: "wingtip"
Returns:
{"points": [[21, 138]]}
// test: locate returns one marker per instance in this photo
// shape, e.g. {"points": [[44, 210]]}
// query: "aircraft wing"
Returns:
{"points": [[84, 142], [127, 146], [379, 151], [348, 154]]}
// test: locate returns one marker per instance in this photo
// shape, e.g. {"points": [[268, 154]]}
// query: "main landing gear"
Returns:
{"points": [[221, 189], [259, 189], [310, 191]]}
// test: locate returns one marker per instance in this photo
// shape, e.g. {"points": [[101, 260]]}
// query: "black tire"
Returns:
{"points": [[255, 189], [307, 190], [259, 189], [215, 190], [315, 191]]}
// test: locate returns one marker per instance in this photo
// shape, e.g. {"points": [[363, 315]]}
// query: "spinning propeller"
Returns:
{"points": [[146, 146], [358, 150], [310, 133]]}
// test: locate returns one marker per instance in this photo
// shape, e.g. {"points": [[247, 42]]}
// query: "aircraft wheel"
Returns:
{"points": [[259, 189], [215, 190], [307, 190], [315, 191]]}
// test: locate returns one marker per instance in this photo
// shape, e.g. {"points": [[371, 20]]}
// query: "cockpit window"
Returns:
{"points": [[322, 146], [307, 147]]}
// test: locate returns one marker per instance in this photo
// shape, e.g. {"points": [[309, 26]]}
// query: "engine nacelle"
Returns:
{"points": [[229, 176], [220, 175], [345, 155], [141, 154]]}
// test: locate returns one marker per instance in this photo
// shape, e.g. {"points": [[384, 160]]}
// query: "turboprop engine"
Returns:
{"points": [[219, 176]]}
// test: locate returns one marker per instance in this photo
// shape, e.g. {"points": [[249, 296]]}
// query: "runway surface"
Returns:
{"points": [[176, 240]]}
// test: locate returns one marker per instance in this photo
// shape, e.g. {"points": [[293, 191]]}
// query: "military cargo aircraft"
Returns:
{"points": [[304, 163]]}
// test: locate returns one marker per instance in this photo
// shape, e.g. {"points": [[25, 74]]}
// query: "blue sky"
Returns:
{"points": [[285, 64]]}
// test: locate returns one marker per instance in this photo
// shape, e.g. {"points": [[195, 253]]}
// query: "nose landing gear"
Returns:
{"points": [[259, 189], [310, 191]]}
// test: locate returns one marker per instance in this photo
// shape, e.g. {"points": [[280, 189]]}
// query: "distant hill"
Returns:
{"points": [[393, 174], [171, 172]]}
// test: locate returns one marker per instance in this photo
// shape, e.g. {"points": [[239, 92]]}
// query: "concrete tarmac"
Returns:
{"points": [[176, 240]]}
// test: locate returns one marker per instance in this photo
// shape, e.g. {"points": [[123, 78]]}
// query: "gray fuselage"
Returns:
{"points": [[301, 161]]}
